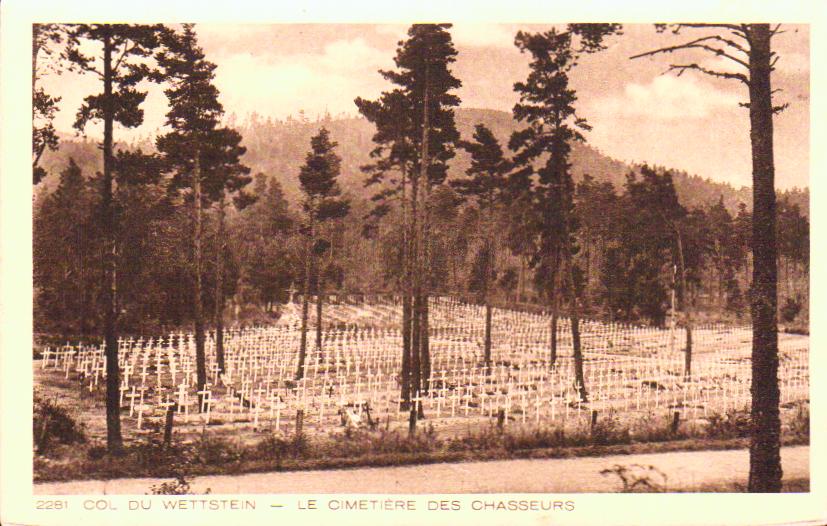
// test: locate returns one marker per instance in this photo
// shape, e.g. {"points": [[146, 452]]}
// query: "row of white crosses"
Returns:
{"points": [[627, 368]]}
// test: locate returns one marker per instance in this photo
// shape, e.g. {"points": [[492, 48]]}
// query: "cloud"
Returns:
{"points": [[399, 31], [464, 34], [483, 35], [667, 97], [313, 82], [793, 62], [346, 55]]}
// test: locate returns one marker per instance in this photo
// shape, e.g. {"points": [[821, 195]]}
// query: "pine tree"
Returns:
{"points": [[747, 48], [416, 134], [65, 271], [204, 156], [661, 219], [488, 186], [263, 240], [122, 66], [322, 203], [44, 106], [546, 105]]}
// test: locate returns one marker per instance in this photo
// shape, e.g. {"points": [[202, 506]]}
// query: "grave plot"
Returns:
{"points": [[631, 373]]}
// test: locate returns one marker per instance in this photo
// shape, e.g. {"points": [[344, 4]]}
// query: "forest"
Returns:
{"points": [[263, 248], [218, 221]]}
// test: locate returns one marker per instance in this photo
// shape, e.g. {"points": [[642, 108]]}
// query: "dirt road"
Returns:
{"points": [[682, 469]]}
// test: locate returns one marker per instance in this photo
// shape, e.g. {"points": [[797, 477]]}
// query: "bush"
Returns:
{"points": [[790, 309], [637, 478], [609, 430], [274, 447], [354, 443], [53, 423], [209, 450], [533, 439], [733, 424], [96, 452], [800, 423], [488, 439], [179, 486]]}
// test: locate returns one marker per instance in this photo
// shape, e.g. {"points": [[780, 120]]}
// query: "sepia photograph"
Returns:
{"points": [[423, 266]]}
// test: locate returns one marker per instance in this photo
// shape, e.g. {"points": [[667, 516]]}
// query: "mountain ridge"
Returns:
{"points": [[278, 147]]}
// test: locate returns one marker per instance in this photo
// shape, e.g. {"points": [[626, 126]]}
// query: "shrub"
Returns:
{"points": [[650, 428], [732, 424], [609, 430], [536, 438], [273, 447], [53, 423], [488, 439], [637, 478], [96, 452], [354, 443], [209, 450], [790, 309], [179, 486], [800, 423]]}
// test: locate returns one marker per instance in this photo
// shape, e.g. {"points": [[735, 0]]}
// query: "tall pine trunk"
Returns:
{"points": [[686, 307], [487, 344], [574, 306], [424, 338], [308, 266], [416, 286], [489, 271], [416, 334], [219, 287], [421, 294], [555, 309], [407, 288], [114, 441], [198, 308], [406, 349], [319, 302], [765, 458]]}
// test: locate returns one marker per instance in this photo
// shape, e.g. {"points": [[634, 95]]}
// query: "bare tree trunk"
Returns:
{"points": [[487, 345], [219, 287], [574, 307], [406, 349], [424, 339], [319, 302], [579, 376], [305, 299], [765, 458], [489, 271], [521, 280], [407, 291], [555, 308], [420, 284], [114, 441], [425, 343], [416, 334], [686, 307], [198, 308]]}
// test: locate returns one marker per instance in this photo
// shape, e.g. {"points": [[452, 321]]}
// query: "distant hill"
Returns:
{"points": [[278, 148]]}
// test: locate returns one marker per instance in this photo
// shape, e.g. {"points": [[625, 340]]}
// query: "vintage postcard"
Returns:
{"points": [[485, 264]]}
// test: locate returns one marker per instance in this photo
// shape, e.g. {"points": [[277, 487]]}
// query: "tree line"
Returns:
{"points": [[129, 247]]}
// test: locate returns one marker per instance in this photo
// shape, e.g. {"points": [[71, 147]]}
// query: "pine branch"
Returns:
{"points": [[697, 44], [125, 53], [681, 68], [738, 29]]}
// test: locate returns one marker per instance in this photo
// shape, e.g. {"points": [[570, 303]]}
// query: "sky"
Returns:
{"points": [[638, 112]]}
